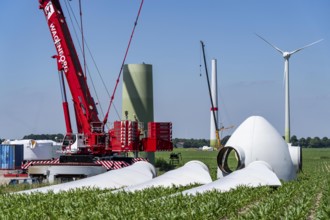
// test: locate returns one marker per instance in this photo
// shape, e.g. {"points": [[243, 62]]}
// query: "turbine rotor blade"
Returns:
{"points": [[276, 48], [295, 51]]}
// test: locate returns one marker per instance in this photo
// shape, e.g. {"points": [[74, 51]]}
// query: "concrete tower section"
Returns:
{"points": [[214, 93], [137, 96]]}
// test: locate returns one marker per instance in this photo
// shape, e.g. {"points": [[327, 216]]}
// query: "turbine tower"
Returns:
{"points": [[286, 55], [214, 109]]}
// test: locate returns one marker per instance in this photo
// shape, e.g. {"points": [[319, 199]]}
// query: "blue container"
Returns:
{"points": [[11, 156]]}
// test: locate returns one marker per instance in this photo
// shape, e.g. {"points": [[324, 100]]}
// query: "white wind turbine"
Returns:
{"points": [[286, 55]]}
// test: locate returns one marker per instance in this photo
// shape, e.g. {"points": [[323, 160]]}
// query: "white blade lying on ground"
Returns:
{"points": [[256, 174], [192, 172], [137, 173]]}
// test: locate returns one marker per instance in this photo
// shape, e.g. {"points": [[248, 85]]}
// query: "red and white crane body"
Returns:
{"points": [[91, 142]]}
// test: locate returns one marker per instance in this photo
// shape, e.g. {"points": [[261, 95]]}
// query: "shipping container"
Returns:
{"points": [[11, 156]]}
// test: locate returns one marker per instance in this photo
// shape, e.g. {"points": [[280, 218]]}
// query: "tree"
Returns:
{"points": [[294, 140], [194, 143], [325, 142], [315, 142], [302, 142], [308, 141], [54, 137], [187, 144]]}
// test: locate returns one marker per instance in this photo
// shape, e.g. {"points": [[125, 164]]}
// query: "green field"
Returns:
{"points": [[306, 198]]}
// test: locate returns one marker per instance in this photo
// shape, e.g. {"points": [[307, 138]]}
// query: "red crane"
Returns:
{"points": [[88, 123], [91, 139]]}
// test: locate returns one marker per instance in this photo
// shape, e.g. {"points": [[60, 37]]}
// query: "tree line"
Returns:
{"points": [[55, 137], [195, 143], [308, 142]]}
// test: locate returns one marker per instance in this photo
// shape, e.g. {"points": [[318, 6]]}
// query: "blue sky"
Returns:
{"points": [[250, 72]]}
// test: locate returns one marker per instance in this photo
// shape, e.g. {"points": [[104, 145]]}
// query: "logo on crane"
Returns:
{"points": [[57, 41], [49, 10]]}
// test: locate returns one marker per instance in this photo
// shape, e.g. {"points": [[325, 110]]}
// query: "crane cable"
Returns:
{"points": [[82, 36], [122, 65], [70, 12], [68, 6]]}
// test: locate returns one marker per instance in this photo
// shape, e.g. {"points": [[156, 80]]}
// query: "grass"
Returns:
{"points": [[308, 197], [188, 154]]}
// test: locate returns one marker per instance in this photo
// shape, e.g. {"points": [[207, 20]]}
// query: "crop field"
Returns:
{"points": [[306, 198]]}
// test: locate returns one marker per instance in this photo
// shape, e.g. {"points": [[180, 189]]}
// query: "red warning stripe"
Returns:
{"points": [[108, 164]]}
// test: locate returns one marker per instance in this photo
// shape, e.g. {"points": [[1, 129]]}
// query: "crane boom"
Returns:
{"points": [[218, 145], [68, 62]]}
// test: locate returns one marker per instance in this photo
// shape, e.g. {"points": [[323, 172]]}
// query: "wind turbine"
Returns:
{"points": [[286, 55]]}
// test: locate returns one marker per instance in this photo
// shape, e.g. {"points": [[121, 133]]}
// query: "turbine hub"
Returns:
{"points": [[286, 55]]}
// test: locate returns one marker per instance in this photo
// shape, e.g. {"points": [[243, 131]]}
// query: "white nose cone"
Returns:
{"points": [[257, 140], [138, 172], [192, 172]]}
